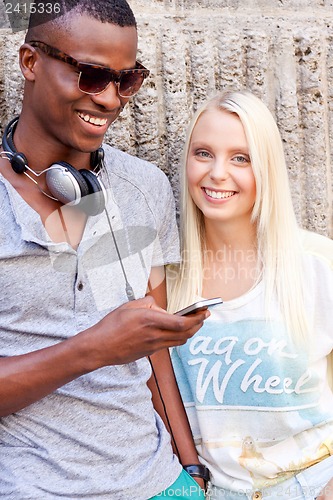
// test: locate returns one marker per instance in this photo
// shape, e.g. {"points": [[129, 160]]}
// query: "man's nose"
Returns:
{"points": [[109, 98]]}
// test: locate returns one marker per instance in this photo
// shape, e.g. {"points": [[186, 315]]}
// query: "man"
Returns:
{"points": [[76, 250]]}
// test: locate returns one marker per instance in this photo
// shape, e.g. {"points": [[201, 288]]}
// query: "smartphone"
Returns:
{"points": [[201, 305]]}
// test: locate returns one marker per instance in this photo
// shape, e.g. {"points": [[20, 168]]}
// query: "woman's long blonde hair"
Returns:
{"points": [[278, 236]]}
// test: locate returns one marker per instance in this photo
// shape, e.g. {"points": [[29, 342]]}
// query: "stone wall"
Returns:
{"points": [[282, 50]]}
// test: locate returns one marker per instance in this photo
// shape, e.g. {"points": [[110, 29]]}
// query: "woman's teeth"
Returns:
{"points": [[219, 194]]}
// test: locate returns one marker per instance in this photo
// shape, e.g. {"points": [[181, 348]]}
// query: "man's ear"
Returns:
{"points": [[28, 57]]}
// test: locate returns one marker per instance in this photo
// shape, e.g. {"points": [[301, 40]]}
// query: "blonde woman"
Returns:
{"points": [[254, 378]]}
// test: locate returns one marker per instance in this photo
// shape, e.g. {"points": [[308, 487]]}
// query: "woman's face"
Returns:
{"points": [[219, 171]]}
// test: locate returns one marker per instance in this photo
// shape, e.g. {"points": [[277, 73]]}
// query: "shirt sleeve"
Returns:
{"points": [[166, 245]]}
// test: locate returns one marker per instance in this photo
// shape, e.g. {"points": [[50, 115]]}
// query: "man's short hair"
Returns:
{"points": [[106, 11]]}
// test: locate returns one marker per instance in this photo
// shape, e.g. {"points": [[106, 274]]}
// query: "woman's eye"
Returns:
{"points": [[202, 154], [241, 159]]}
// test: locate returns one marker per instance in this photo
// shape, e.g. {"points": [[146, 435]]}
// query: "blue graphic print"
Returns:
{"points": [[245, 364]]}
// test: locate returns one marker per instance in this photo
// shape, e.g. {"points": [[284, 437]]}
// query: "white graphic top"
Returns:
{"points": [[260, 409]]}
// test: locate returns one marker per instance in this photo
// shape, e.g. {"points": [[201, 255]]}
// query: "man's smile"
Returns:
{"points": [[94, 120]]}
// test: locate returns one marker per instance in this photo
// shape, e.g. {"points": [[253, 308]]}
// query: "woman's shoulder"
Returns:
{"points": [[318, 245]]}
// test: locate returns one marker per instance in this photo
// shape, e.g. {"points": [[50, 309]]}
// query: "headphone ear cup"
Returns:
{"points": [[93, 204], [65, 183]]}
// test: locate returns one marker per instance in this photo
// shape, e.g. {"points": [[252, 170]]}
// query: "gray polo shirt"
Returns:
{"points": [[98, 436]]}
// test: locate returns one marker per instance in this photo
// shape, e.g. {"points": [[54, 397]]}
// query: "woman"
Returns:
{"points": [[254, 378]]}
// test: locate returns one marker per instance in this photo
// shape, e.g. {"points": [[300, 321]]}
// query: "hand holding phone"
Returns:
{"points": [[201, 305]]}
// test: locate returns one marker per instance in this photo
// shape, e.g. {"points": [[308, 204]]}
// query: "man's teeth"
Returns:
{"points": [[219, 194], [92, 119]]}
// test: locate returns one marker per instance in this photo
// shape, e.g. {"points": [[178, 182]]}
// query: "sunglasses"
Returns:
{"points": [[94, 78]]}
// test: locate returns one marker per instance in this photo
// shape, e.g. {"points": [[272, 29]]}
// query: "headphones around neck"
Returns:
{"points": [[66, 184]]}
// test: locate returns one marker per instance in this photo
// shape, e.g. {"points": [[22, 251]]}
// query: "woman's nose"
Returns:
{"points": [[219, 169]]}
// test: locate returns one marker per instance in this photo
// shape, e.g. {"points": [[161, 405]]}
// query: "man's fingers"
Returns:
{"points": [[174, 323], [145, 302]]}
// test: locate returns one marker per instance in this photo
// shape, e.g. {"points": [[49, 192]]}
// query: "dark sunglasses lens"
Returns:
{"points": [[93, 80], [130, 83]]}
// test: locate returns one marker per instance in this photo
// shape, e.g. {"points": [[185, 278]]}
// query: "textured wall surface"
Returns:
{"points": [[282, 50]]}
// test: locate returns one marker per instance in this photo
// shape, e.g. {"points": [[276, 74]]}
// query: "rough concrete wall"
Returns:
{"points": [[282, 50]]}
